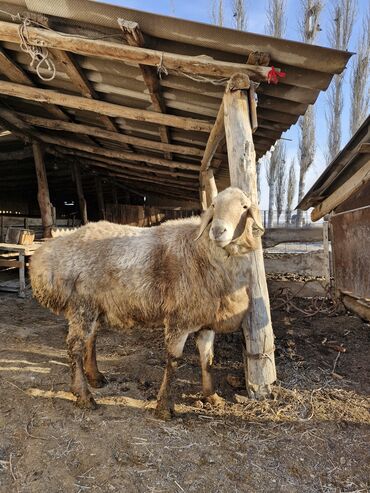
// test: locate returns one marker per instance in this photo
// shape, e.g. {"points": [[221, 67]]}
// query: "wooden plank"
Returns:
{"points": [[115, 51], [260, 371], [125, 155], [79, 128], [43, 196], [342, 193], [134, 37], [10, 263], [361, 309], [275, 236], [110, 109]]}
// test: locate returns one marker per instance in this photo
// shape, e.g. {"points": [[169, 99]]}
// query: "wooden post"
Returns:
{"points": [[259, 360], [208, 180], [80, 194], [43, 197], [327, 269], [114, 195], [100, 195]]}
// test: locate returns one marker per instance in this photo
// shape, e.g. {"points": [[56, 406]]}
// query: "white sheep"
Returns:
{"points": [[188, 275]]}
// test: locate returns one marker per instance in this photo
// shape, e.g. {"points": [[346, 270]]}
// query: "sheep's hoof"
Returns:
{"points": [[97, 381], [215, 400], [86, 402], [163, 413]]}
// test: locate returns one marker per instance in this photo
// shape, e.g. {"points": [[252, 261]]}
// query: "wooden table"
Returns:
{"points": [[13, 255]]}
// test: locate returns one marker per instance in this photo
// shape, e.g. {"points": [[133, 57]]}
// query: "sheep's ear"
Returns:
{"points": [[206, 219], [254, 213]]}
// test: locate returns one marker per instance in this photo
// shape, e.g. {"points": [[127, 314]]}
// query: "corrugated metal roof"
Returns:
{"points": [[347, 162], [309, 69]]}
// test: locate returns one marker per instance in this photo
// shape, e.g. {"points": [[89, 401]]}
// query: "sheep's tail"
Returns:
{"points": [[48, 286]]}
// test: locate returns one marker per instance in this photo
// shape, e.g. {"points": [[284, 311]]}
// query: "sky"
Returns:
{"points": [[200, 11]]}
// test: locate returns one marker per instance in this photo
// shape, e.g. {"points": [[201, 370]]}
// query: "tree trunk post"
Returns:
{"points": [[260, 370], [43, 197], [80, 194], [100, 196]]}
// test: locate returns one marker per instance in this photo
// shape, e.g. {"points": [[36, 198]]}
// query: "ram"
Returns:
{"points": [[188, 276]]}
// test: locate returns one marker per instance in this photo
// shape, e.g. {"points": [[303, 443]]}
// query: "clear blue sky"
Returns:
{"points": [[200, 11]]}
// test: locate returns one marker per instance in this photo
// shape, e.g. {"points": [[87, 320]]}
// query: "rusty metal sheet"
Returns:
{"points": [[351, 259]]}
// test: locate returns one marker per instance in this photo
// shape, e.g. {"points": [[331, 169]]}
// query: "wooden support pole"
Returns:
{"points": [[101, 107], [43, 197], [80, 193], [114, 194], [216, 136], [100, 196], [210, 185], [342, 193], [260, 369]]}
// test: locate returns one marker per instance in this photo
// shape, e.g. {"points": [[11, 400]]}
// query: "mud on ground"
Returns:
{"points": [[312, 437]]}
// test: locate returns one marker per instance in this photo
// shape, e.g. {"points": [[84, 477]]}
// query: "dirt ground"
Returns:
{"points": [[312, 437]]}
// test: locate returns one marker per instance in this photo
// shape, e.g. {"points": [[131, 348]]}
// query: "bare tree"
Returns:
{"points": [[273, 172], [309, 28], [217, 12], [276, 25], [360, 77], [343, 17], [258, 172], [292, 188], [280, 191], [276, 19], [239, 14]]}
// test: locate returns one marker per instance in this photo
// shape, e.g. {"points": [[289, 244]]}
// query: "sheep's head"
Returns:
{"points": [[234, 222]]}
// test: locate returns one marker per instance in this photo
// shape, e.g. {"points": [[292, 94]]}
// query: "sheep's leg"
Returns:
{"points": [[174, 347], [95, 378], [205, 340], [76, 348]]}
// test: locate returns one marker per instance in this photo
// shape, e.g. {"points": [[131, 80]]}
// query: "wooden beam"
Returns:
{"points": [[19, 155], [78, 79], [43, 197], [342, 193], [79, 128], [100, 197], [117, 165], [80, 193], [110, 109], [16, 74], [361, 309], [216, 136], [259, 338], [134, 37], [125, 155], [115, 51]]}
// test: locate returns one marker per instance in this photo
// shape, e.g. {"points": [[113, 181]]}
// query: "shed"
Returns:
{"points": [[166, 109], [342, 195]]}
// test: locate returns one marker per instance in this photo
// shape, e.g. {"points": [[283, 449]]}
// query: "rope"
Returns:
{"points": [[161, 69], [265, 354], [39, 55], [200, 78]]}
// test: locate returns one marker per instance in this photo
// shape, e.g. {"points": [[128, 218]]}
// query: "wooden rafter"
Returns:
{"points": [[77, 77], [134, 37], [116, 164], [110, 109], [79, 128], [124, 155]]}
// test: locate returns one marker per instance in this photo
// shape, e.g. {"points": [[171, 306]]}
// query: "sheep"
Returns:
{"points": [[188, 276]]}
